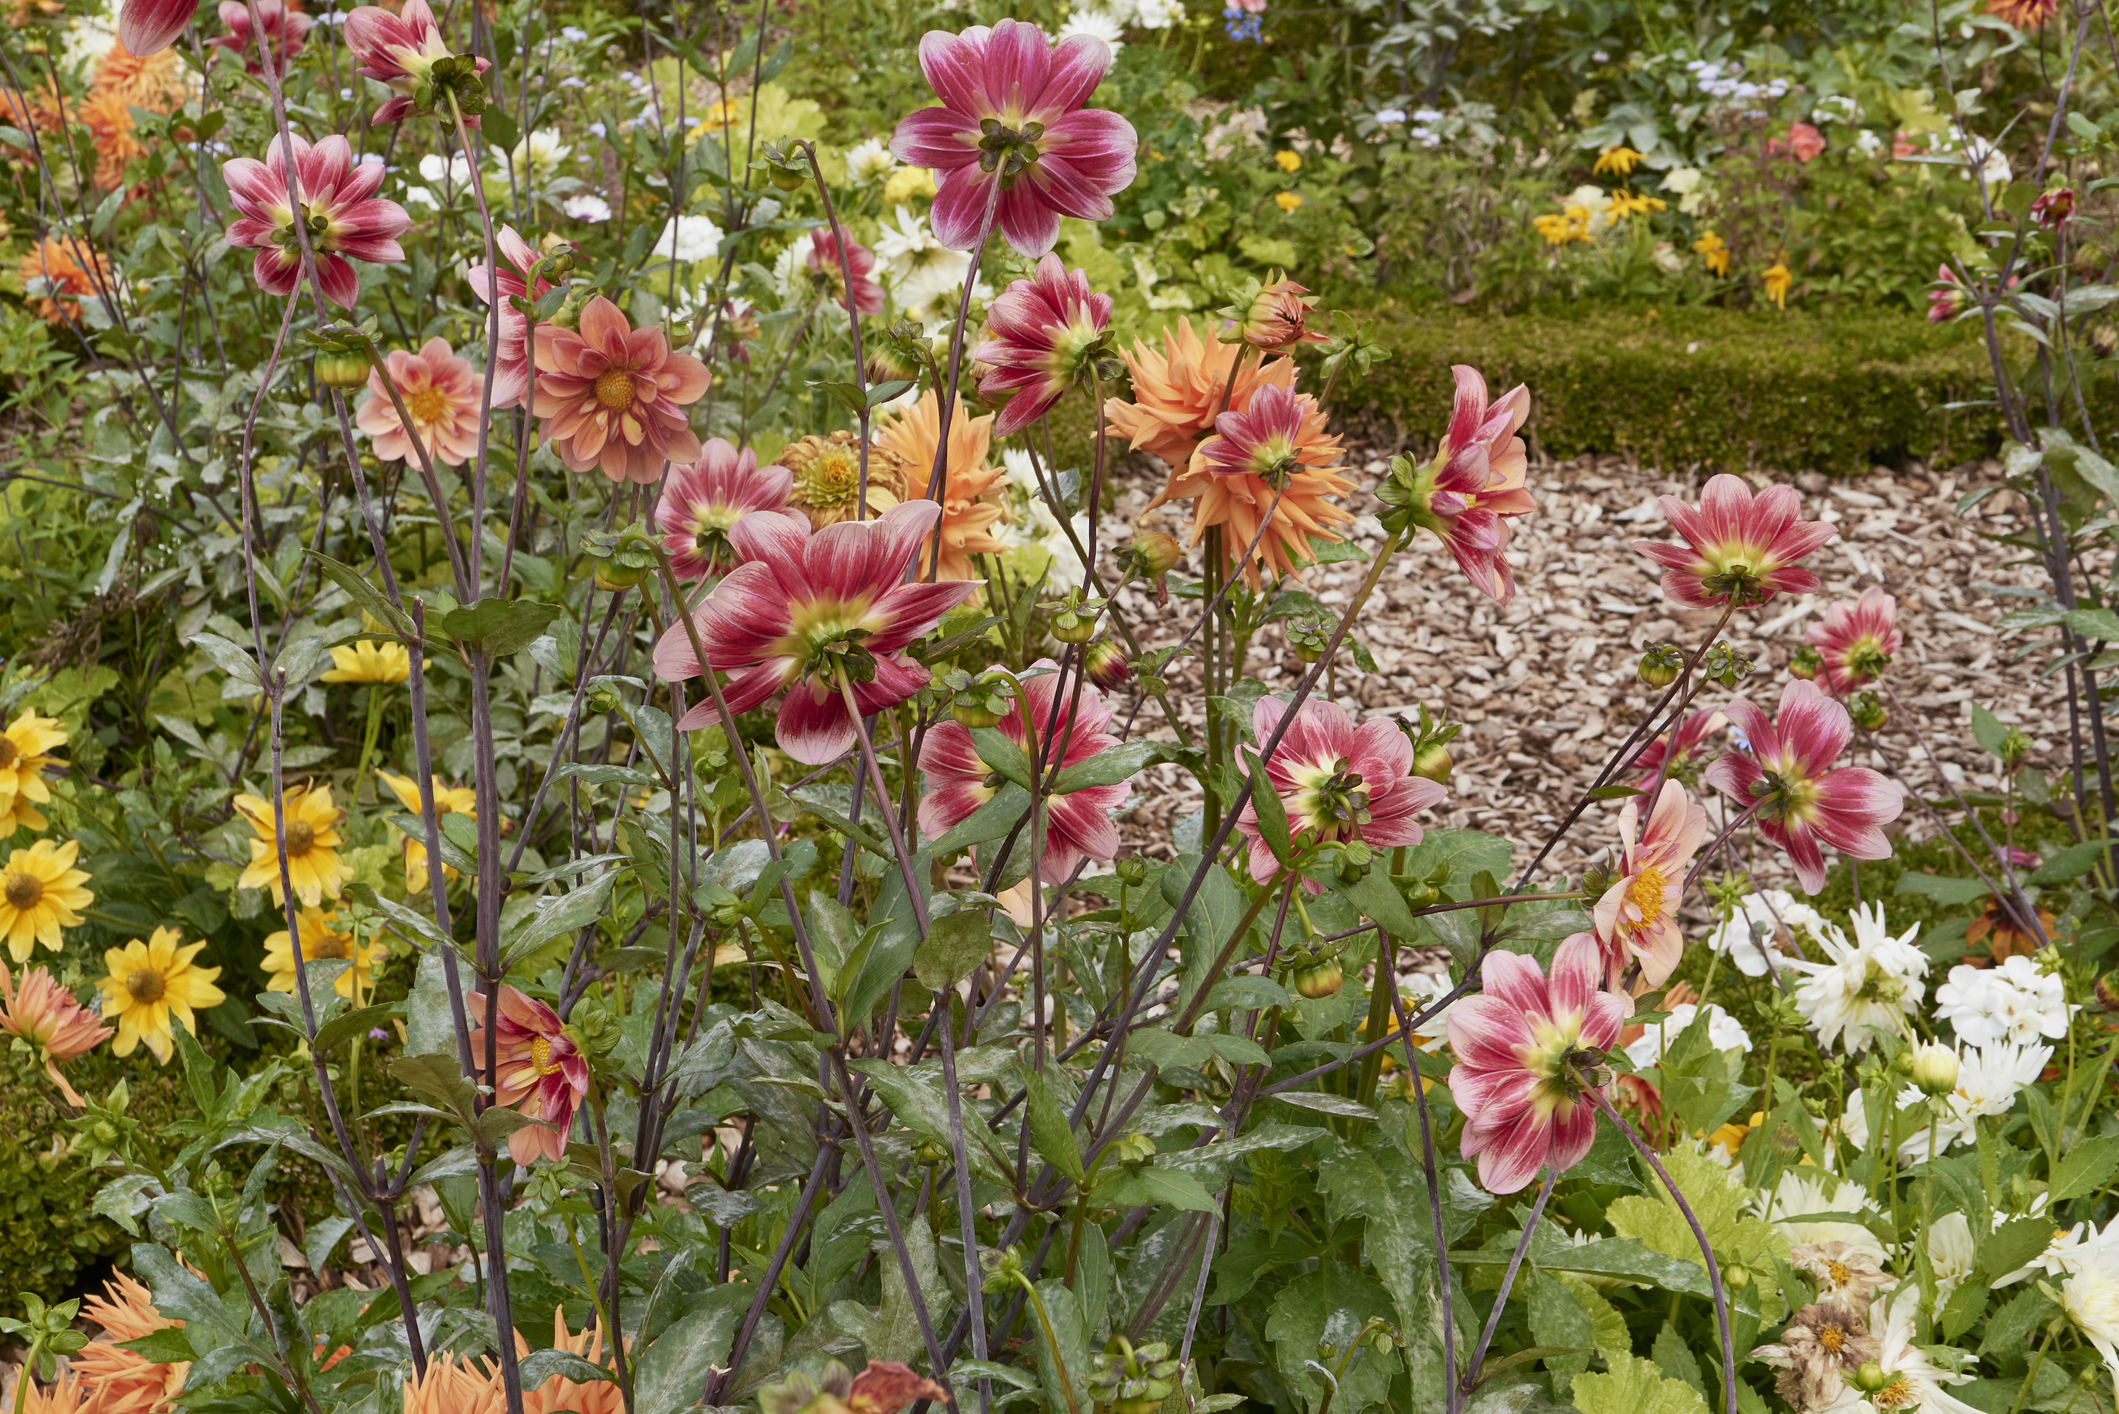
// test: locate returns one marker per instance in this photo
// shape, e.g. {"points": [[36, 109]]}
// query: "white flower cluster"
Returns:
{"points": [[1763, 917], [925, 277], [2018, 1001], [1423, 126], [1866, 986], [1724, 81], [1724, 1033]]}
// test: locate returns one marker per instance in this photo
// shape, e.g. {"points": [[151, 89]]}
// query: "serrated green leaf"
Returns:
{"points": [[1635, 1386]]}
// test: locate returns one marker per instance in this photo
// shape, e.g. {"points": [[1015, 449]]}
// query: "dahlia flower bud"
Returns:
{"points": [[1274, 317], [980, 701], [1309, 637], [1805, 662], [342, 370], [1933, 1067], [1871, 1377], [1867, 710], [1724, 665], [1948, 300], [1152, 556], [2107, 993], [1433, 762], [1074, 618], [1660, 664], [1107, 665], [593, 1031], [1132, 871]]}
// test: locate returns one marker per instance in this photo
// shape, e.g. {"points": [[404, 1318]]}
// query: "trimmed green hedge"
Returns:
{"points": [[1795, 391]]}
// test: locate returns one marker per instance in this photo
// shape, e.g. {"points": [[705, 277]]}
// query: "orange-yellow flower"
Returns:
{"points": [[150, 985], [44, 1014], [122, 1381], [41, 893], [62, 1396], [907, 443], [313, 862], [450, 1388], [828, 479], [1178, 392], [60, 274], [1779, 278], [26, 748], [448, 800], [1712, 252], [322, 939], [155, 83], [2024, 14], [558, 1393]]}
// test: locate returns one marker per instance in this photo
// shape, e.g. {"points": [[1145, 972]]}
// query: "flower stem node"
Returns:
{"points": [[1867, 710], [1661, 664], [1805, 662], [1724, 666]]}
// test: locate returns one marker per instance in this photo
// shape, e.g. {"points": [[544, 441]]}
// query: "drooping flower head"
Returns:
{"points": [[2053, 209], [1818, 1352], [971, 507], [313, 862], [613, 397], [1276, 318], [347, 221], [148, 26], [440, 391], [2024, 14], [1688, 758], [702, 502], [285, 33], [825, 272], [38, 1011], [511, 374], [1011, 142], [1739, 548], [406, 52], [1787, 773], [41, 893], [448, 800], [1077, 823], [369, 662], [124, 1381], [1474, 483], [1041, 335], [1637, 918], [1528, 1050], [1856, 641], [538, 1071], [1177, 393], [1336, 781], [152, 981], [827, 478], [322, 940], [806, 611]]}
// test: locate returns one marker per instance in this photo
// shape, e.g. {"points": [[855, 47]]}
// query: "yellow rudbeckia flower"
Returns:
{"points": [[448, 800], [321, 939], [149, 983], [41, 893], [313, 862], [370, 662]]}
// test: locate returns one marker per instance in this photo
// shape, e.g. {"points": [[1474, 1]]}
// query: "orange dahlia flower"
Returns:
{"points": [[450, 1388], [123, 1381], [2024, 14], [60, 274], [49, 1018], [1178, 392], [907, 444], [62, 1396], [827, 479], [155, 83], [613, 397], [558, 1393], [440, 390]]}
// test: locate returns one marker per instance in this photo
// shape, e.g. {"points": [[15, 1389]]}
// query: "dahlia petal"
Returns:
{"points": [[1753, 726], [1797, 842], [1084, 826], [954, 64], [813, 726], [1027, 222], [912, 610], [1734, 774], [149, 26], [1485, 1031], [1077, 65], [1577, 975], [1574, 1130], [1812, 728], [1014, 63], [1510, 1164]]}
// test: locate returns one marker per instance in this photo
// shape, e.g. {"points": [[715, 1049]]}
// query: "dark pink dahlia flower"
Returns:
{"points": [[511, 373], [1337, 781], [1474, 484], [541, 1075], [148, 26], [1039, 335], [285, 33], [347, 220], [401, 51], [703, 502], [1693, 731], [1739, 549], [1856, 641]]}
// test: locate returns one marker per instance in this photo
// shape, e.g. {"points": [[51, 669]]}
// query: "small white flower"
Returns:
{"points": [[1866, 986], [1868, 143], [1724, 1033], [869, 163], [573, 34], [572, 81], [2015, 1002], [588, 207], [538, 156], [689, 238], [1426, 989], [1682, 180], [1097, 23], [1802, 1191], [1952, 1253], [2091, 1299], [1388, 116], [1761, 918], [598, 128], [790, 271], [1158, 14], [1912, 1379], [922, 269], [1990, 160]]}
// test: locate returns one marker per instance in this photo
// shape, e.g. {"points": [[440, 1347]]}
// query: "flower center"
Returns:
{"points": [[1737, 581], [301, 838], [1276, 462], [1880, 986], [1866, 659], [9, 753], [1899, 1394], [541, 1056], [1646, 892], [1338, 806], [24, 891], [1008, 150], [1840, 1273], [332, 945], [145, 985], [614, 389], [1832, 1338], [1781, 798], [428, 404], [833, 477]]}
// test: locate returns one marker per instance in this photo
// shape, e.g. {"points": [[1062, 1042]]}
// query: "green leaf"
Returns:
{"points": [[2093, 623], [2072, 862], [1614, 792], [1071, 1334], [554, 915], [1331, 1304], [1559, 1322], [498, 627], [1378, 899], [674, 1369], [2085, 1169], [1988, 729], [541, 1365], [955, 944], [1000, 753], [991, 821], [1050, 1133], [439, 1080], [365, 594], [167, 1346], [1257, 993], [2013, 1245], [1635, 1386], [1951, 893], [352, 1023], [498, 130], [1271, 811], [1107, 768], [1717, 1199], [1154, 1187]]}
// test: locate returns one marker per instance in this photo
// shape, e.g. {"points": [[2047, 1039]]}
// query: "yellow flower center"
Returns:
{"points": [[1839, 1273], [1646, 892], [832, 477], [428, 404], [301, 838], [9, 753], [145, 985], [1831, 1337], [1899, 1394], [614, 389], [24, 891], [332, 945], [541, 1056]]}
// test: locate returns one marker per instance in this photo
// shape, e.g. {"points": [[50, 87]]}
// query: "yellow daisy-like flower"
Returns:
{"points": [[901, 186], [1712, 252], [1779, 278], [321, 939], [313, 861], [25, 750], [370, 662], [15, 812], [1287, 200], [149, 983], [1289, 161], [1621, 160], [448, 800], [1626, 203], [41, 893]]}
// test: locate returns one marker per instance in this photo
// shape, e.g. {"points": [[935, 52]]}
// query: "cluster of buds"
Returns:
{"points": [[1124, 1380], [981, 700], [1867, 710], [1724, 666], [622, 559], [1806, 662]]}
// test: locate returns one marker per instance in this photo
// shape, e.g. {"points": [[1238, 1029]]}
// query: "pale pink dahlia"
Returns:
{"points": [[1467, 493], [1336, 781], [1637, 918], [541, 1075], [1039, 335], [285, 33], [808, 612], [1788, 774], [347, 220], [441, 392], [1691, 733], [1739, 549], [400, 52], [1529, 1050], [703, 502], [1077, 823], [1012, 142], [511, 373], [613, 396], [1856, 641]]}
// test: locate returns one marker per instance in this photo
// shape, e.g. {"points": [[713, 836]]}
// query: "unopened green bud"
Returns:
{"points": [[1661, 664], [1867, 710], [1806, 662]]}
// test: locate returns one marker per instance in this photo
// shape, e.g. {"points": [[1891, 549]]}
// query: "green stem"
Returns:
{"points": [[1059, 1361], [375, 721]]}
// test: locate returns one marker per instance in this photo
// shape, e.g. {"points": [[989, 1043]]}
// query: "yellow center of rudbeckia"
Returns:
{"points": [[541, 1056], [9, 753], [832, 477], [301, 838], [145, 985], [614, 389], [1646, 892], [428, 405], [24, 891]]}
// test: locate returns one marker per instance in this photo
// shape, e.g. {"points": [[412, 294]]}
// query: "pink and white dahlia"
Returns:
{"points": [[1947, 300], [1474, 484], [440, 390], [1787, 773], [147, 27], [1637, 918], [541, 1075], [613, 397], [828, 272], [511, 374], [1275, 439], [808, 612], [1077, 823], [1040, 334], [1336, 781], [347, 221], [703, 502], [1529, 1051], [1686, 757], [1011, 142], [285, 33], [1856, 641], [402, 51], [1739, 549]]}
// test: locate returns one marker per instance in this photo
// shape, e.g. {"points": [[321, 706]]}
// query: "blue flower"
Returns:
{"points": [[1242, 26]]}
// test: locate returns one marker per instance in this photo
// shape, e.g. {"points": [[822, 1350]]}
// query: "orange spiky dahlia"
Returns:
{"points": [[60, 274], [109, 122], [155, 82], [64, 1395], [1178, 392], [122, 1381], [49, 1019], [2024, 14], [558, 1393], [906, 443], [452, 1388]]}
